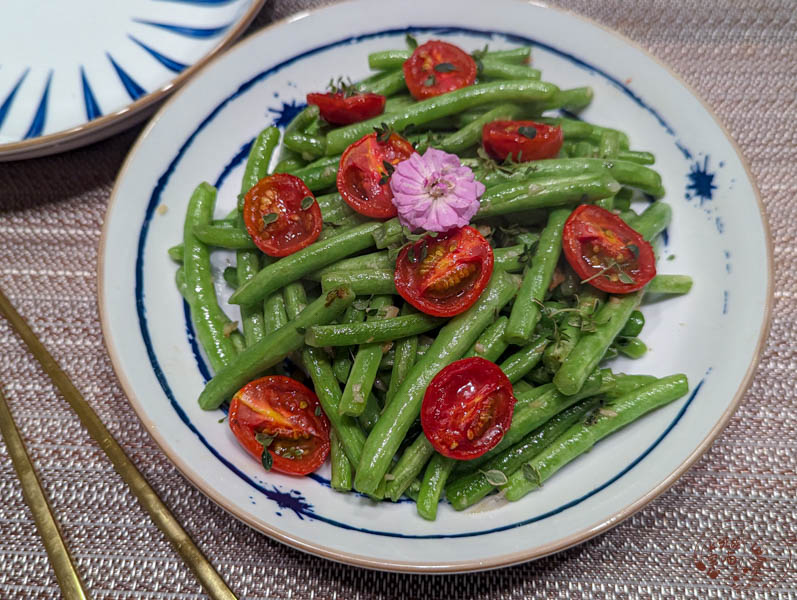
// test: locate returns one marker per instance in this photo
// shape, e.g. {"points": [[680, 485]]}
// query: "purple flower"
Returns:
{"points": [[434, 191]]}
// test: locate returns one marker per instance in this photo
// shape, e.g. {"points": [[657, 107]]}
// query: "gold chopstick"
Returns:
{"points": [[213, 583], [65, 571]]}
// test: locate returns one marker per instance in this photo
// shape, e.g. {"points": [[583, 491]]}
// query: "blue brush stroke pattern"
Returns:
{"points": [[192, 32], [134, 90], [298, 503], [287, 113], [701, 182], [40, 117], [6, 106], [167, 62], [239, 157], [92, 108]]}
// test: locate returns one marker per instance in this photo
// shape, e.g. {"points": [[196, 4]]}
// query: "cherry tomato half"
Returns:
{"points": [[605, 252], [364, 174], [436, 68], [443, 276], [288, 412], [278, 217], [340, 109], [467, 408], [524, 140]]}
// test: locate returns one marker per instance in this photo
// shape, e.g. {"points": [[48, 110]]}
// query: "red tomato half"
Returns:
{"points": [[436, 68], [274, 216], [467, 408], [339, 109], [287, 411], [524, 140], [364, 174], [605, 252], [445, 275]]}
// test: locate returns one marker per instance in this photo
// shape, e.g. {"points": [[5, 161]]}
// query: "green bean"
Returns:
{"points": [[370, 413], [176, 253], [342, 474], [580, 438], [408, 467], [295, 299], [286, 165], [366, 364], [518, 56], [624, 384], [636, 321], [520, 196], [522, 386], [341, 365], [405, 352], [451, 343], [471, 134], [387, 84], [511, 259], [573, 129], [224, 237], [179, 280], [526, 311], [434, 480], [259, 157], [581, 149], [334, 211], [497, 69], [632, 347], [230, 276], [210, 322], [391, 232], [375, 261], [272, 349], [469, 489], [364, 283], [491, 343], [524, 360], [397, 103], [386, 330], [395, 59], [653, 220], [441, 106], [309, 145], [589, 350], [570, 331], [643, 158], [574, 99], [252, 317], [317, 177], [623, 198], [309, 259], [670, 284], [238, 341], [274, 313]]}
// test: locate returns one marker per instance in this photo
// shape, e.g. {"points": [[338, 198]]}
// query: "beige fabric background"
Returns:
{"points": [[740, 56]]}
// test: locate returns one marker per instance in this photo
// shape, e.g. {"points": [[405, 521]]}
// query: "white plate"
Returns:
{"points": [[714, 334], [75, 72]]}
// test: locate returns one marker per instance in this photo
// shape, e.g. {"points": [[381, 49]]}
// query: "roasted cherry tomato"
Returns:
{"points": [[524, 140], [285, 414], [436, 68], [467, 408], [443, 276], [281, 214], [365, 170], [341, 109], [605, 252]]}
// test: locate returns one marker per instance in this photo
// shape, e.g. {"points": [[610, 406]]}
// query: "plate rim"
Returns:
{"points": [[130, 114], [465, 566]]}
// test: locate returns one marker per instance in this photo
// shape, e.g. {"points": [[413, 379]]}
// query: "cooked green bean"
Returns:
{"points": [[580, 130], [259, 157], [526, 310], [516, 366], [274, 313], [580, 438], [176, 253], [387, 330], [653, 220], [395, 59], [272, 349], [405, 353], [589, 299], [179, 280], [511, 259], [387, 84], [224, 237], [434, 480], [342, 473], [498, 69], [364, 283], [471, 134], [341, 365], [408, 467], [491, 343], [375, 261], [451, 343], [210, 322], [295, 266], [441, 106], [635, 323], [632, 347], [230, 276], [370, 414], [670, 284]]}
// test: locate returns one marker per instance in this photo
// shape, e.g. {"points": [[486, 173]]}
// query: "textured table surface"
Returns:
{"points": [[741, 57]]}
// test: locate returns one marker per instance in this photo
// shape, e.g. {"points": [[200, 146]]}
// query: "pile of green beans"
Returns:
{"points": [[333, 309]]}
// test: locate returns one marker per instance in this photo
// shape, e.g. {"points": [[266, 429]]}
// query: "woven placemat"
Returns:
{"points": [[739, 56]]}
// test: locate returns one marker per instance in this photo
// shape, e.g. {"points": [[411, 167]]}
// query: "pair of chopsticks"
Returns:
{"points": [[65, 571]]}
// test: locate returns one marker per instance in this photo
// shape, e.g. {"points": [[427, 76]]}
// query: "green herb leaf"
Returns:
{"points": [[360, 304], [264, 439], [495, 477], [222, 419], [624, 277], [477, 54], [412, 43], [527, 131], [307, 202], [383, 132], [429, 81], [266, 459], [634, 250], [530, 474], [318, 411], [445, 67], [269, 218]]}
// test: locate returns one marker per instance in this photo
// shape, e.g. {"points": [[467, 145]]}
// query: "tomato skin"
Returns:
{"points": [[294, 228], [339, 109], [286, 409], [501, 138], [450, 278], [467, 408], [420, 67], [593, 237], [361, 174]]}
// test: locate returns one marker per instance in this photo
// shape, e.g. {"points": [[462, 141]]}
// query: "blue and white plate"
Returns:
{"points": [[714, 334], [74, 72]]}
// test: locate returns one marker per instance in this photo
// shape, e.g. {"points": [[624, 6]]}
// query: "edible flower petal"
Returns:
{"points": [[434, 191]]}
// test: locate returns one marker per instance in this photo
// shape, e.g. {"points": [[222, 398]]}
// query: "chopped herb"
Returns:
{"points": [[264, 439], [342, 86], [621, 274], [478, 55], [269, 218], [429, 81], [530, 474], [527, 131], [307, 202], [445, 67], [317, 411], [671, 257], [634, 250], [624, 277], [412, 43], [222, 419], [360, 304], [266, 460], [495, 477], [389, 168], [383, 132]]}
